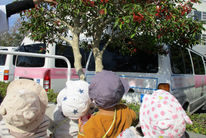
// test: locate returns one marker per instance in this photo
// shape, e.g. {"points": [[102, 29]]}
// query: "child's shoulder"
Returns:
{"points": [[122, 108]]}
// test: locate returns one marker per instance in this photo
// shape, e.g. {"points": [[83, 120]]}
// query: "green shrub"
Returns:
{"points": [[3, 87], [199, 123], [135, 107], [52, 96]]}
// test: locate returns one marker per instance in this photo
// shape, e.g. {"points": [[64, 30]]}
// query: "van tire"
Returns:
{"points": [[185, 106]]}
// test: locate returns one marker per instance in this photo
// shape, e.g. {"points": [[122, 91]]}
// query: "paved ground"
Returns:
{"points": [[193, 135], [51, 107]]}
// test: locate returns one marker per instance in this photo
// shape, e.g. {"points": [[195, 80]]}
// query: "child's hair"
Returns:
{"points": [[74, 100], [24, 105], [161, 115], [106, 89]]}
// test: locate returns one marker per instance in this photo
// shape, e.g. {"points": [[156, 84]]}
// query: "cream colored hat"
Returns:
{"points": [[24, 106]]}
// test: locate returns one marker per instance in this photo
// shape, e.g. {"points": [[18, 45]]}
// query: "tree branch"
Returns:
{"points": [[110, 39], [65, 39], [65, 23]]}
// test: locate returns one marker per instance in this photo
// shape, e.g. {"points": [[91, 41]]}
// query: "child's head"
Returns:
{"points": [[106, 89], [24, 106], [75, 101], [162, 115]]}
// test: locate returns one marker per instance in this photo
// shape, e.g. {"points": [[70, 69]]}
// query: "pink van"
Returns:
{"points": [[49, 72]]}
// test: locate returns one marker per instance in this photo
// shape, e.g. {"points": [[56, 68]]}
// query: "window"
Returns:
{"points": [[204, 16], [2, 58], [198, 63], [203, 40], [180, 60], [66, 50], [143, 62], [187, 62], [24, 61], [197, 15]]}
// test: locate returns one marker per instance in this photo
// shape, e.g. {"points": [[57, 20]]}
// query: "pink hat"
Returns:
{"points": [[161, 115]]}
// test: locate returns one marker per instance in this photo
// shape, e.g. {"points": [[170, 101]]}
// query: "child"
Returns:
{"points": [[23, 110], [106, 90], [161, 116], [73, 103]]}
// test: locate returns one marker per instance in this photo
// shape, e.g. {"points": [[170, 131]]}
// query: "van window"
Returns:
{"points": [[198, 63], [3, 58], [180, 60], [143, 62], [204, 60], [187, 62], [66, 50], [24, 61]]}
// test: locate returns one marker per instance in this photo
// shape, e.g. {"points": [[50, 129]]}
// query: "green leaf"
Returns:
{"points": [[132, 35]]}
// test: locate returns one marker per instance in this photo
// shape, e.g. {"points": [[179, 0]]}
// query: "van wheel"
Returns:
{"points": [[185, 107], [131, 90]]}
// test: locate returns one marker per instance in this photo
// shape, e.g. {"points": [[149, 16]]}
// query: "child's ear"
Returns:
{"points": [[3, 110]]}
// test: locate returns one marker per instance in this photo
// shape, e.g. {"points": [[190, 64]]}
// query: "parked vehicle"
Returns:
{"points": [[50, 73], [6, 65], [181, 72]]}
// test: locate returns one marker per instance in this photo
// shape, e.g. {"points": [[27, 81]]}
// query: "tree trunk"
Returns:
{"points": [[98, 59], [77, 57]]}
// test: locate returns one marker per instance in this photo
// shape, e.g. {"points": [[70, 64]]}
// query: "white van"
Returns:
{"points": [[6, 65], [181, 72], [49, 72]]}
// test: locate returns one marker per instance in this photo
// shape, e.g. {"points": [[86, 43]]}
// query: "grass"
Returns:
{"points": [[199, 123]]}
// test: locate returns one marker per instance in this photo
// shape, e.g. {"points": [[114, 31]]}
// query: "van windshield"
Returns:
{"points": [[3, 58], [23, 61], [142, 62]]}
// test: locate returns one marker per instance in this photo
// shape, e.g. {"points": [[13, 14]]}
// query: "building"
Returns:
{"points": [[200, 14]]}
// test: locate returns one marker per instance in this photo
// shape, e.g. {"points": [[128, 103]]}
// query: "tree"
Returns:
{"points": [[13, 37], [161, 22]]}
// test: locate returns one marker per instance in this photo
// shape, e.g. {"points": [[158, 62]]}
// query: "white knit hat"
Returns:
{"points": [[161, 115], [74, 99], [24, 106]]}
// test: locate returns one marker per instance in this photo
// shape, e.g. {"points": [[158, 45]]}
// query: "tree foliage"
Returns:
{"points": [[125, 24], [13, 37], [154, 23]]}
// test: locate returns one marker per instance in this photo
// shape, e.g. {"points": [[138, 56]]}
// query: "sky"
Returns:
{"points": [[13, 18]]}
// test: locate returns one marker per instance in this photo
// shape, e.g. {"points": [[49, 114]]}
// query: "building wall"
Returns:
{"points": [[202, 8]]}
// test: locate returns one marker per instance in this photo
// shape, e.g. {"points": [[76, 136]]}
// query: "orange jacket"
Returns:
{"points": [[99, 124]]}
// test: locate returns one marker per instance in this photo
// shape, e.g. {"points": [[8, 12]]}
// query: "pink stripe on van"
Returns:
{"points": [[205, 80], [56, 73], [199, 80]]}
